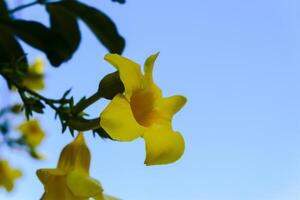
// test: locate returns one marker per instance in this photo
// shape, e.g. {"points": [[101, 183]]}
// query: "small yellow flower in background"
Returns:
{"points": [[32, 132], [8, 175], [71, 180], [143, 112], [34, 79]]}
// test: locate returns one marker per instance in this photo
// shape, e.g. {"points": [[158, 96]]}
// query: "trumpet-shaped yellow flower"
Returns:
{"points": [[32, 132], [8, 175], [71, 180], [34, 79], [143, 112]]}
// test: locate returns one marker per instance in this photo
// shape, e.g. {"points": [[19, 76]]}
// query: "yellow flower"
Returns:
{"points": [[71, 180], [143, 112], [34, 79], [32, 132], [8, 175]]}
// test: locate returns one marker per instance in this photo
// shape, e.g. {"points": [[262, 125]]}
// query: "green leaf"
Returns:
{"points": [[35, 105], [3, 9], [101, 133], [66, 93], [65, 24], [99, 23], [40, 37], [11, 51]]}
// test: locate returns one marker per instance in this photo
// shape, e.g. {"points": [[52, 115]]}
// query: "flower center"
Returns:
{"points": [[142, 106], [33, 129]]}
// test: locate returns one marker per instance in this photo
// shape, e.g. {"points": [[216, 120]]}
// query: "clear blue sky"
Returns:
{"points": [[238, 64]]}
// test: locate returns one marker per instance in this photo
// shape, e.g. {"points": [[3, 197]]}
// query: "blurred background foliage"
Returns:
{"points": [[59, 43]]}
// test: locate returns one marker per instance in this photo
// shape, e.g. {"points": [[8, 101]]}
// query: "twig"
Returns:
{"points": [[23, 6]]}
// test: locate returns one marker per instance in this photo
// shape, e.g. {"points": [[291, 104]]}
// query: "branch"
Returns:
{"points": [[83, 104], [23, 6], [68, 116]]}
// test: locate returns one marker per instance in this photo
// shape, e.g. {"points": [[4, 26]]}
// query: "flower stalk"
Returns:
{"points": [[83, 104], [68, 115]]}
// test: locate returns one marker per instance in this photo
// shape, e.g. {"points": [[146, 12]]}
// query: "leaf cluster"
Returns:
{"points": [[58, 42]]}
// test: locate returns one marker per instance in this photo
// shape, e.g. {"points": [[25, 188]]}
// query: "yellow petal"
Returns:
{"points": [[118, 121], [34, 83], [148, 67], [37, 67], [167, 107], [99, 197], [83, 186], [130, 73], [163, 145], [32, 132], [54, 181], [34, 79], [45, 175], [150, 86], [75, 156], [8, 175]]}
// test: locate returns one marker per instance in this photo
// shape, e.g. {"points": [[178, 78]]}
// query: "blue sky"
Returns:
{"points": [[238, 64]]}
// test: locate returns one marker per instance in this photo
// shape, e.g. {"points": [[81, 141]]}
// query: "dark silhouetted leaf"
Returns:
{"points": [[3, 9], [101, 133], [119, 1], [65, 24], [101, 25], [66, 93], [10, 50], [40, 37]]}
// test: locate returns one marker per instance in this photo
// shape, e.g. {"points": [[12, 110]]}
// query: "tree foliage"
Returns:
{"points": [[58, 42], [137, 107]]}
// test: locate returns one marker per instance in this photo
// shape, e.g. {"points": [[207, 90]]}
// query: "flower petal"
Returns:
{"points": [[8, 175], [118, 121], [34, 78], [34, 83], [163, 145], [83, 186], [148, 77], [45, 175], [32, 132], [38, 67], [130, 73], [75, 155], [54, 181], [167, 107], [148, 67]]}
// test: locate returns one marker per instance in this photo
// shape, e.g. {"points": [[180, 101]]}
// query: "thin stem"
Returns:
{"points": [[49, 102], [73, 122], [23, 6], [84, 124], [33, 93], [86, 103]]}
